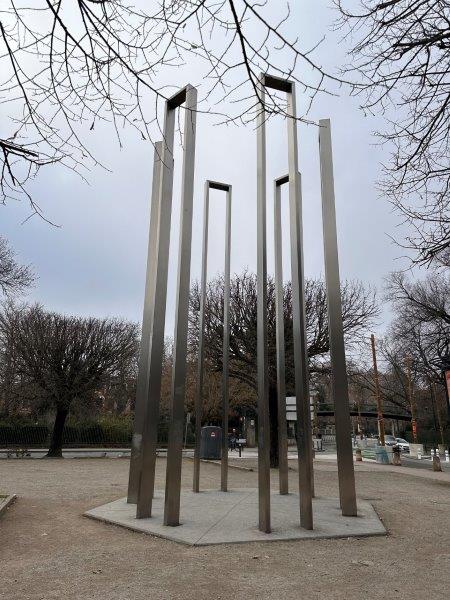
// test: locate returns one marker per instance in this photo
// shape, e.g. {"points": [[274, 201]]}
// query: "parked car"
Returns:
{"points": [[390, 440], [404, 445]]}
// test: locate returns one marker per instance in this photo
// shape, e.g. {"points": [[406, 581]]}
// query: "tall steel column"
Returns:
{"points": [[346, 473], [226, 338], [304, 438], [226, 344], [147, 326], [281, 367], [187, 95], [262, 359], [175, 442], [304, 431], [201, 345]]}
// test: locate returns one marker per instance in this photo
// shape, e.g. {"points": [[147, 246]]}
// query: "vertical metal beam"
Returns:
{"points": [[226, 347], [147, 326], [175, 442], [201, 343], [346, 473], [304, 441], [279, 317], [156, 346], [304, 437], [226, 338], [262, 359]]}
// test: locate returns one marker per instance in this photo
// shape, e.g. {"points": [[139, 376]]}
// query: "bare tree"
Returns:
{"points": [[14, 278], [66, 358], [415, 348], [68, 66], [423, 316], [359, 310], [422, 324], [401, 55], [426, 300]]}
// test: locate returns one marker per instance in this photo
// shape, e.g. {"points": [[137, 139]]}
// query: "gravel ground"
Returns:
{"points": [[49, 551]]}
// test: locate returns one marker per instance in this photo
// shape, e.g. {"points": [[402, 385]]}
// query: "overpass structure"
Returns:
{"points": [[366, 414]]}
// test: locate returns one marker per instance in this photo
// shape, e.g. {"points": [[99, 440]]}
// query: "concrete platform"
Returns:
{"points": [[5, 502], [214, 517]]}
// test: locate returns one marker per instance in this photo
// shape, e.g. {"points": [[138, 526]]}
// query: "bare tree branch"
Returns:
{"points": [[69, 65], [14, 278], [401, 55]]}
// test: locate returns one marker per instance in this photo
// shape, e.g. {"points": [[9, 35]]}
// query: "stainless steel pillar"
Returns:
{"points": [[346, 473], [175, 442], [226, 338], [201, 345], [304, 438], [187, 95], [281, 370], [147, 326], [262, 360]]}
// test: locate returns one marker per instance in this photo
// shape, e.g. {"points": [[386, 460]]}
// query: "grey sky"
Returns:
{"points": [[94, 263]]}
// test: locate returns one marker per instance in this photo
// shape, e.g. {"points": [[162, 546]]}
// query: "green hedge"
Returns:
{"points": [[23, 435]]}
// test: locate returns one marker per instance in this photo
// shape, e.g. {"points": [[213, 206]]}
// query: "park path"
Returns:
{"points": [[49, 551]]}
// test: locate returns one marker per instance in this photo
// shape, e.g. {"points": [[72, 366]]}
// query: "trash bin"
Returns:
{"points": [[211, 443]]}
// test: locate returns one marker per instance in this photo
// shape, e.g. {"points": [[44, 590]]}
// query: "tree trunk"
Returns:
{"points": [[55, 450], [273, 417]]}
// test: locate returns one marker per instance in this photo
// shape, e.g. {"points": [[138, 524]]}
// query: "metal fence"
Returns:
{"points": [[79, 435], [39, 435]]}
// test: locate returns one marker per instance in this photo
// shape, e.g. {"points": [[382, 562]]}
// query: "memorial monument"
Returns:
{"points": [[215, 516]]}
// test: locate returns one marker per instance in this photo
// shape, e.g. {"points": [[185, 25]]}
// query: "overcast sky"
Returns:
{"points": [[94, 262]]}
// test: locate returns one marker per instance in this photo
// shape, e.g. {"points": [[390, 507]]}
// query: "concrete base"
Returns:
{"points": [[214, 517]]}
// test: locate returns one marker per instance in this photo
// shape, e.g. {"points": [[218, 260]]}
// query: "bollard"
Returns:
{"points": [[358, 455], [447, 457], [419, 455], [396, 457], [436, 463]]}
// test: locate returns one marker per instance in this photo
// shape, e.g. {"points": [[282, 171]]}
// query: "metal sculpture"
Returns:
{"points": [[146, 334], [143, 456], [346, 473], [145, 447], [214, 185], [279, 319], [304, 444]]}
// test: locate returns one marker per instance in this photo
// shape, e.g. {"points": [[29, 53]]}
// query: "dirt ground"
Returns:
{"points": [[49, 551]]}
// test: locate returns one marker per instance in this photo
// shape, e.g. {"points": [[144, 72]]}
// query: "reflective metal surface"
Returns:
{"points": [[226, 338], [156, 346], [147, 325], [158, 307], [262, 359], [201, 343], [281, 375], [346, 473], [176, 428], [304, 438]]}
